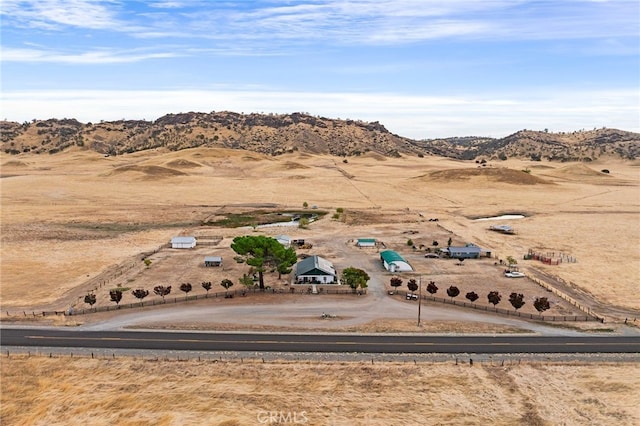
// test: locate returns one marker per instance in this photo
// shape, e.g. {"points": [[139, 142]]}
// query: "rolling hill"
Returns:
{"points": [[276, 134]]}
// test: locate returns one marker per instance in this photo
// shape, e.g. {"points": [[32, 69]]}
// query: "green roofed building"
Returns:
{"points": [[393, 262], [366, 242], [315, 270]]}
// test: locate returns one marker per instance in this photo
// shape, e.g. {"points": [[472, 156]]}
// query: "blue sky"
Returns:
{"points": [[423, 68]]}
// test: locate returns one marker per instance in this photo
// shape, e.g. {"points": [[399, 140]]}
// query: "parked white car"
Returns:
{"points": [[514, 274]]}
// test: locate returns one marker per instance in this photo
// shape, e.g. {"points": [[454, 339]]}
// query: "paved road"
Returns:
{"points": [[190, 341]]}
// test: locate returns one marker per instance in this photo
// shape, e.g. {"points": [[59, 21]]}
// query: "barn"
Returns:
{"points": [[366, 242], [393, 262], [315, 270], [183, 242], [212, 261]]}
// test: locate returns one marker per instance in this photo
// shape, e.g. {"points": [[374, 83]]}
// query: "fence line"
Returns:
{"points": [[507, 312], [187, 298], [566, 297]]}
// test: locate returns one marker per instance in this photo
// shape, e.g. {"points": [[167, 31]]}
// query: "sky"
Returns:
{"points": [[423, 68]]}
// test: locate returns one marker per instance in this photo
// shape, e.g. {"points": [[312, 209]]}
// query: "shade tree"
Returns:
{"points": [[412, 285], [472, 296], [541, 304], [263, 252], [453, 291], [355, 278], [161, 290], [516, 300], [494, 297]]}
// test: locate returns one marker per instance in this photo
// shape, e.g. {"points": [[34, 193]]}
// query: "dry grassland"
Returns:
{"points": [[62, 391], [66, 217]]}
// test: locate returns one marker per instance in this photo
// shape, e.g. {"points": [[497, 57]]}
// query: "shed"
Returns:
{"points": [[315, 270], [469, 251], [183, 242], [393, 262], [285, 240], [212, 261], [366, 242]]}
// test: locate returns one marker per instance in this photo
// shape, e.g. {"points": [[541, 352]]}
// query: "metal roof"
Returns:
{"points": [[366, 240], [182, 240], [212, 259], [391, 256], [312, 263]]}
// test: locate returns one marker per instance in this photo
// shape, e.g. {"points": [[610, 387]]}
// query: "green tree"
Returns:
{"points": [[305, 204], [206, 285], [90, 299], [355, 278], [432, 288], [516, 300], [263, 252], [449, 241], [186, 287], [140, 294], [410, 242], [412, 285], [246, 280], [303, 222], [115, 295], [147, 262], [226, 283], [511, 261]]}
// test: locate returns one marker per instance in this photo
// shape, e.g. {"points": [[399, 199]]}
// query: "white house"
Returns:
{"points": [[183, 242], [393, 262], [315, 270]]}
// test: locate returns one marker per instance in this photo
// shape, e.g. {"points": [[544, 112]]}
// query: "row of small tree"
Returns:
{"points": [[494, 297], [116, 294]]}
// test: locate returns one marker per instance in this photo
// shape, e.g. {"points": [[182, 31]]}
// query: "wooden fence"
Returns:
{"points": [[187, 298], [508, 312]]}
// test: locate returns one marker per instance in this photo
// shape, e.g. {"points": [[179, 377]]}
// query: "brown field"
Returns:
{"points": [[126, 391], [74, 220]]}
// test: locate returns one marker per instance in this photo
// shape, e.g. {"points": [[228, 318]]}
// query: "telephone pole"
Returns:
{"points": [[419, 298]]}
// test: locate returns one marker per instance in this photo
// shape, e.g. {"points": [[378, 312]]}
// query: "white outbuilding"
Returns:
{"points": [[393, 262], [183, 242]]}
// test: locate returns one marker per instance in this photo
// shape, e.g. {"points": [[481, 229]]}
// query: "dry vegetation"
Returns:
{"points": [[126, 391], [67, 218]]}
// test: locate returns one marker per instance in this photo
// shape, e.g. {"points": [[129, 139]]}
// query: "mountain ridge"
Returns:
{"points": [[276, 134]]}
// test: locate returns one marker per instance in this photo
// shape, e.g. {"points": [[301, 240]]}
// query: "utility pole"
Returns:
{"points": [[419, 298]]}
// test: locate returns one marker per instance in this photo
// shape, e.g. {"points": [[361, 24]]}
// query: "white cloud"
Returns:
{"points": [[94, 57], [57, 14], [412, 116]]}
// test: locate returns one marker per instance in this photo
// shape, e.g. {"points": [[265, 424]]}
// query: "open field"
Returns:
{"points": [[78, 221], [67, 217], [127, 391]]}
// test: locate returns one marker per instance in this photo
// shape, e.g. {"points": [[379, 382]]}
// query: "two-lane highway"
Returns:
{"points": [[190, 341]]}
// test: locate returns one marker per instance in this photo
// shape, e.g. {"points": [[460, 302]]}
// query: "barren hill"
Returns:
{"points": [[276, 134]]}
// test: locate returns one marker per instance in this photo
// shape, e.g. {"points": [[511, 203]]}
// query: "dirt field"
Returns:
{"points": [[61, 391]]}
